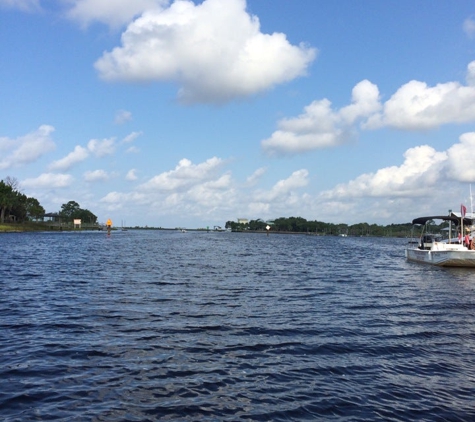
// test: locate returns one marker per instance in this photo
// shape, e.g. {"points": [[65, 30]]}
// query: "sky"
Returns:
{"points": [[194, 113]]}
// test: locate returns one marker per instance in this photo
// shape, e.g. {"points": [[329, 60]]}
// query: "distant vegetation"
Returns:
{"points": [[301, 225], [17, 208], [72, 211]]}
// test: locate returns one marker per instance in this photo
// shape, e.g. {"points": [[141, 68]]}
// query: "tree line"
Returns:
{"points": [[301, 225], [17, 207], [72, 211]]}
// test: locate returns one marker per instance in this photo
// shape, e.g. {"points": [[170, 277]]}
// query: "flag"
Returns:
{"points": [[463, 210]]}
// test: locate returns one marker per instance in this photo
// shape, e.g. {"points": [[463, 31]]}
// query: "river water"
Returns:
{"points": [[196, 326]]}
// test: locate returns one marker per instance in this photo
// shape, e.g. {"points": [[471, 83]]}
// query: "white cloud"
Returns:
{"points": [[469, 27], [96, 176], [211, 194], [101, 148], [26, 149], [213, 50], [283, 199], [285, 187], [254, 177], [24, 5], [122, 116], [48, 181], [77, 155], [414, 106], [419, 172], [118, 199], [131, 175], [428, 181], [320, 126], [114, 13], [471, 74], [198, 190], [131, 137], [364, 103], [184, 176], [461, 159]]}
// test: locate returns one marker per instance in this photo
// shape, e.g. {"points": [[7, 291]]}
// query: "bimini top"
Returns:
{"points": [[453, 218]]}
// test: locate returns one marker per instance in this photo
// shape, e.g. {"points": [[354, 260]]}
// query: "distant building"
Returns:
{"points": [[243, 221], [52, 217]]}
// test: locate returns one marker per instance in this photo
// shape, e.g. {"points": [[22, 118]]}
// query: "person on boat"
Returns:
{"points": [[466, 240]]}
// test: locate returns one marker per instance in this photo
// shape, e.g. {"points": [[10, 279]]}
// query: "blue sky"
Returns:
{"points": [[193, 113]]}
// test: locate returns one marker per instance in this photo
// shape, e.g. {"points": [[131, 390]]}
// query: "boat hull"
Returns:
{"points": [[442, 258]]}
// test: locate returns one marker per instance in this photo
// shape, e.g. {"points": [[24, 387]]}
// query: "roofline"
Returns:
{"points": [[453, 218]]}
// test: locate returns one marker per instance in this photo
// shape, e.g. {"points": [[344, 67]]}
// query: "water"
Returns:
{"points": [[160, 325]]}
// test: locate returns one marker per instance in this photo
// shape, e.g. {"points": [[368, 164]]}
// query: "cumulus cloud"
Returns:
{"points": [[48, 181], [24, 5], [101, 147], [214, 51], [196, 189], [420, 171], [113, 13], [320, 126], [414, 106], [96, 176], [26, 149], [211, 193], [185, 175], [77, 155], [283, 198], [428, 181], [285, 187], [461, 157]]}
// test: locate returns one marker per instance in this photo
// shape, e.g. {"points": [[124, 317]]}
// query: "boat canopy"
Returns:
{"points": [[453, 218]]}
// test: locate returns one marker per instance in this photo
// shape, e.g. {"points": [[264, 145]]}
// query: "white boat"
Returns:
{"points": [[450, 252]]}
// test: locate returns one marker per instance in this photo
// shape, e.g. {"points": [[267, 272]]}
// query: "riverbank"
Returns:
{"points": [[34, 227], [25, 227]]}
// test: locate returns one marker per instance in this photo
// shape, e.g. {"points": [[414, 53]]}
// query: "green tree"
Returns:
{"points": [[18, 209], [33, 209], [70, 211], [87, 216], [15, 203], [257, 224], [236, 227], [7, 199]]}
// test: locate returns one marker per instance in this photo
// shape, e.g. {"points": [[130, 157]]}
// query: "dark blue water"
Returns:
{"points": [[156, 325]]}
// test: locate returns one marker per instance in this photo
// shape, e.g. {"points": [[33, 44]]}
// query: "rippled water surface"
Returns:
{"points": [[163, 325]]}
